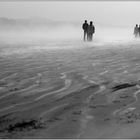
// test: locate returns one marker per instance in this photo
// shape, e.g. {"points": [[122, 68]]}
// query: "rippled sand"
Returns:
{"points": [[83, 92]]}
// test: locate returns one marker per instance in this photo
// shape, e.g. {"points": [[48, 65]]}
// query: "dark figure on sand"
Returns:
{"points": [[139, 31], [90, 31], [136, 30], [85, 27]]}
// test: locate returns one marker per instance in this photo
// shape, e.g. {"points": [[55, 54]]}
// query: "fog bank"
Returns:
{"points": [[55, 34], [65, 33]]}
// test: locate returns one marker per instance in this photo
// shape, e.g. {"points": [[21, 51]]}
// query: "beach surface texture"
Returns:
{"points": [[77, 90]]}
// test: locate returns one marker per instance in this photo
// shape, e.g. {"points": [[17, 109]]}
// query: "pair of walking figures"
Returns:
{"points": [[137, 31], [89, 30]]}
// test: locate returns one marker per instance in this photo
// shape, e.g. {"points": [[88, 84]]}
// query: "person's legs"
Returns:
{"points": [[91, 37], [137, 34], [85, 35], [88, 36]]}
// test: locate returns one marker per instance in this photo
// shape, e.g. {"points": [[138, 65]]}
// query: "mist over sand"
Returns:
{"points": [[24, 31], [21, 36], [54, 85]]}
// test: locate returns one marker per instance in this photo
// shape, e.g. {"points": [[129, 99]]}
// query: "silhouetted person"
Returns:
{"points": [[139, 31], [85, 27], [91, 31], [136, 30]]}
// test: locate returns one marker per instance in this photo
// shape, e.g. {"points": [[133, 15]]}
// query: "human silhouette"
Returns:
{"points": [[136, 30], [85, 27], [90, 31], [139, 31]]}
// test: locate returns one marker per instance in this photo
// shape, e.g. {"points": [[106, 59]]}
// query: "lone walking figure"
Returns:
{"points": [[90, 31], [85, 28], [136, 30]]}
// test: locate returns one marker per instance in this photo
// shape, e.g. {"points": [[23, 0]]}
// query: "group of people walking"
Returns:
{"points": [[137, 31], [89, 30]]}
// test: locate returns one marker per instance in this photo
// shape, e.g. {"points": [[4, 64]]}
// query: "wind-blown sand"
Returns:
{"points": [[90, 91]]}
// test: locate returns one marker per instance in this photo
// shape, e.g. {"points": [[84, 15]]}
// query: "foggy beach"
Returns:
{"points": [[53, 84]]}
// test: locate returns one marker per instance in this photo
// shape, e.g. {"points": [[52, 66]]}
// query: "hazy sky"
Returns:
{"points": [[119, 13]]}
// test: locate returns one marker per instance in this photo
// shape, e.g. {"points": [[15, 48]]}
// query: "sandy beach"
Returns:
{"points": [[79, 90]]}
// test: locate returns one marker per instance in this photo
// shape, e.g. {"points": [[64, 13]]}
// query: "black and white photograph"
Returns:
{"points": [[69, 69]]}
